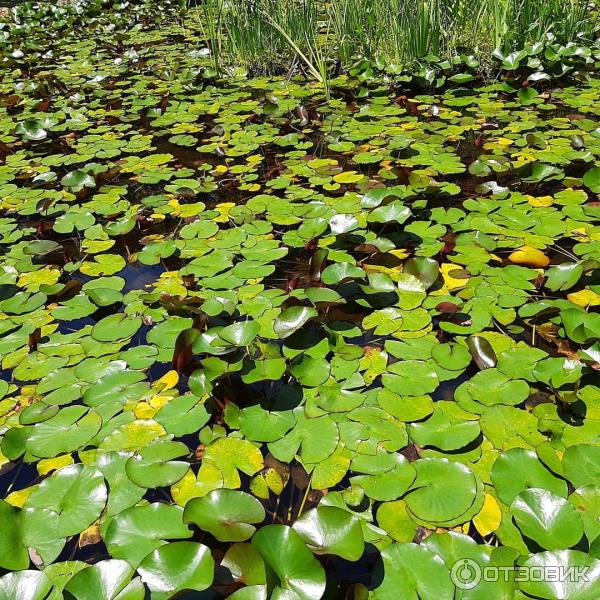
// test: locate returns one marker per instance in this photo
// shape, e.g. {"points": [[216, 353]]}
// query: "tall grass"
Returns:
{"points": [[211, 22], [519, 22], [275, 36], [262, 35], [401, 31]]}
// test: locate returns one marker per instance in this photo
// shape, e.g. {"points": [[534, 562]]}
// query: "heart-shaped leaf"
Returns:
{"points": [[226, 514], [290, 561], [548, 519], [176, 567]]}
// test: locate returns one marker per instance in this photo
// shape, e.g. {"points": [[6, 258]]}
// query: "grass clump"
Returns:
{"points": [[269, 36]]}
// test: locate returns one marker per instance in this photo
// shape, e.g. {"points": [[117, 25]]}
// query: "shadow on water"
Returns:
{"points": [[139, 277]]}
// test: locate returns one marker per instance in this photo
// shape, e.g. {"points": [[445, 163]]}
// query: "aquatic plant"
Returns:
{"points": [[262, 337], [266, 36]]}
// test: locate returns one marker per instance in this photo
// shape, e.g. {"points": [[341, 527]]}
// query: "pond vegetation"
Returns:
{"points": [[299, 300]]}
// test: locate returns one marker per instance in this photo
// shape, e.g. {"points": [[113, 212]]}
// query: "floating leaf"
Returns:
{"points": [[482, 352], [411, 571], [442, 492], [445, 430], [136, 532], [226, 514], [32, 129], [489, 518], [153, 467], [108, 580], [77, 493], [591, 179], [518, 469], [290, 561], [115, 327], [411, 378], [240, 334], [531, 257], [548, 519], [177, 566], [581, 585], [581, 464], [331, 530], [292, 319], [25, 585]]}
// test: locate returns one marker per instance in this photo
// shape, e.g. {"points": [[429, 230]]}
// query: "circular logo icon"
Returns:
{"points": [[465, 574]]}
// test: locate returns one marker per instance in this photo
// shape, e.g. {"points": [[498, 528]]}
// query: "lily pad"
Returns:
{"points": [[548, 519], [442, 492], [109, 580], [226, 514], [331, 530], [287, 557], [177, 566], [76, 493], [411, 571]]}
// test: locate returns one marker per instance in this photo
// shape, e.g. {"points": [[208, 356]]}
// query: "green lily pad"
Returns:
{"points": [[331, 530], [389, 484], [228, 515], [491, 387], [106, 580], [32, 129], [138, 531], [442, 492], [28, 528], [176, 567], [240, 334], [70, 429], [293, 565], [76, 493], [411, 571], [581, 580], [591, 179], [581, 464], [548, 519], [445, 429], [411, 378], [153, 467], [518, 469], [77, 180], [245, 564], [115, 327], [292, 319], [26, 585]]}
